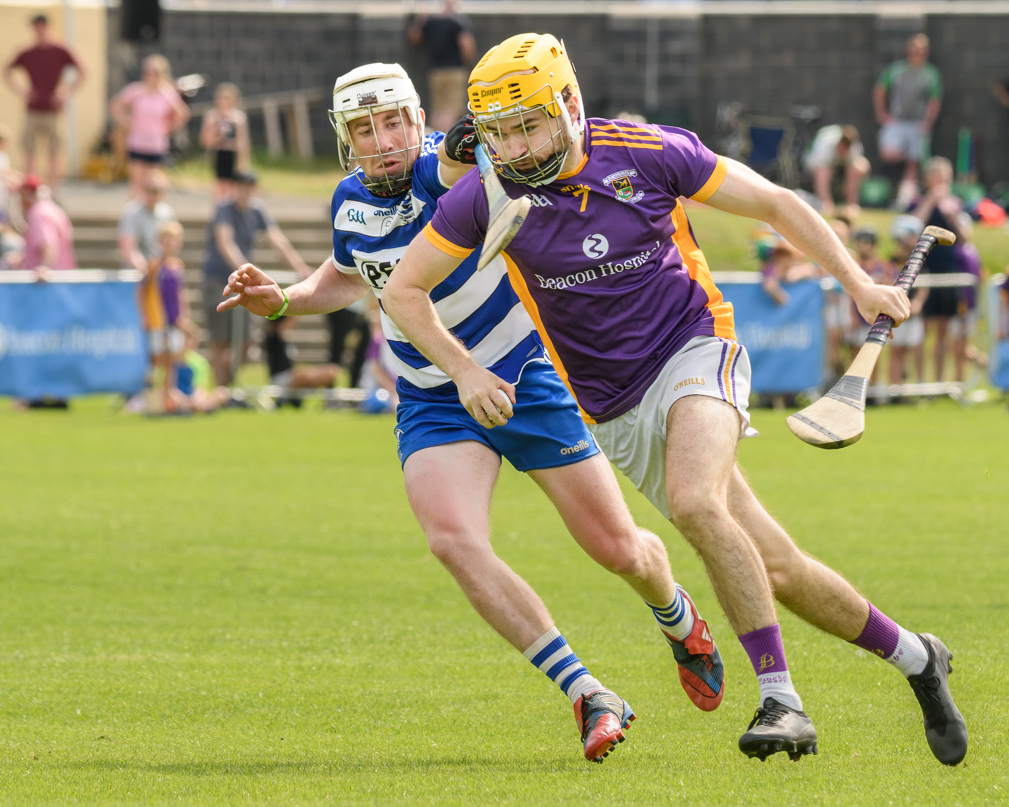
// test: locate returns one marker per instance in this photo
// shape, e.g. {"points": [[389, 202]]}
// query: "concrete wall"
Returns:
{"points": [[672, 62], [86, 30]]}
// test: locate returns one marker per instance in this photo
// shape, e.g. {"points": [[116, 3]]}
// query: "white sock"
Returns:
{"points": [[778, 685], [552, 655], [910, 657], [675, 619]]}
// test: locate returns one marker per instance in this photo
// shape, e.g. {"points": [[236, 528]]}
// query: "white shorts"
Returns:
{"points": [[170, 340], [963, 327], [910, 334], [636, 441], [904, 136]]}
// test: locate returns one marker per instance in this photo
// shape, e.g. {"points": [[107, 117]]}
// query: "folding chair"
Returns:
{"points": [[767, 147]]}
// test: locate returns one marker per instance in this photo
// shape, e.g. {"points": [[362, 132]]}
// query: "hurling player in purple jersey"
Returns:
{"points": [[611, 273], [451, 463]]}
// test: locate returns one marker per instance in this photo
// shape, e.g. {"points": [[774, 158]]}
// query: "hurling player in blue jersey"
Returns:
{"points": [[450, 462]]}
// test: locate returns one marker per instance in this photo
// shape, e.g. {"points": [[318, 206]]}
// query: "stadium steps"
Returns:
{"points": [[96, 245]]}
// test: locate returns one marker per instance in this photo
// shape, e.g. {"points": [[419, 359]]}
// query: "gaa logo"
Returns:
{"points": [[595, 246]]}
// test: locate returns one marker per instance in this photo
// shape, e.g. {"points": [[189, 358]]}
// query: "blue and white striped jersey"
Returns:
{"points": [[370, 235]]}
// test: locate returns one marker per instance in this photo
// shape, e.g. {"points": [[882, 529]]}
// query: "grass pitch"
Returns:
{"points": [[241, 609]]}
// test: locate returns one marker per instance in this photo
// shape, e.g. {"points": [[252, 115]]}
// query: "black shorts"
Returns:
{"points": [[224, 164], [150, 159], [941, 302]]}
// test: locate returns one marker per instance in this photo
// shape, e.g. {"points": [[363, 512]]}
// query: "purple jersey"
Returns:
{"points": [[606, 262]]}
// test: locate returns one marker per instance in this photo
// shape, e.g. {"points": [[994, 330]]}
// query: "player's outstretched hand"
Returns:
{"points": [[873, 300], [487, 398], [461, 140], [251, 287]]}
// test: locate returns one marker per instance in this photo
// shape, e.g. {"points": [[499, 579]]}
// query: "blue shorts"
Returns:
{"points": [[546, 430]]}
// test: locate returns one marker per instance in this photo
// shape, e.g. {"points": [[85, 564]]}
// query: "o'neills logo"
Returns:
{"points": [[687, 382], [581, 445], [492, 91]]}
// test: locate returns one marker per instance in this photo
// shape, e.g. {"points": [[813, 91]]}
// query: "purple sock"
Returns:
{"points": [[880, 634], [765, 649]]}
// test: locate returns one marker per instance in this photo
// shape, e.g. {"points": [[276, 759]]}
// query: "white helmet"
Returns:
{"points": [[367, 91]]}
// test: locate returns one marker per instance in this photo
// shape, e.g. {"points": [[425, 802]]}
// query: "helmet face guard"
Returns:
{"points": [[526, 74], [368, 92]]}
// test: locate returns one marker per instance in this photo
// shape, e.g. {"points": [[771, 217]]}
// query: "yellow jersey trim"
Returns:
{"points": [[522, 290], [440, 242], [697, 268], [714, 181]]}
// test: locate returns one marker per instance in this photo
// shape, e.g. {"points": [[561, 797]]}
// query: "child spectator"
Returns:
{"points": [[963, 326], [909, 338], [194, 379], [379, 376], [164, 305], [225, 133], [881, 272]]}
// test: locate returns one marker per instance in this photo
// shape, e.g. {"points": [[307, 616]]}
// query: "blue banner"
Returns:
{"points": [[65, 339], [785, 342]]}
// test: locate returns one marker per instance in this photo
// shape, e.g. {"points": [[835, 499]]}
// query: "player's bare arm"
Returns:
{"points": [[406, 299], [327, 289], [745, 193]]}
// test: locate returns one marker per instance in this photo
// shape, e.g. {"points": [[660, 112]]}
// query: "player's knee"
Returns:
{"points": [[454, 547], [693, 507], [621, 554]]}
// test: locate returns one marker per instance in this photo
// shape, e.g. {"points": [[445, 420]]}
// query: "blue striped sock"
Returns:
{"points": [[558, 662], [676, 620]]}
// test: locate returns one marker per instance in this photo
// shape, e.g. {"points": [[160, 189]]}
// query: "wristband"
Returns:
{"points": [[280, 311]]}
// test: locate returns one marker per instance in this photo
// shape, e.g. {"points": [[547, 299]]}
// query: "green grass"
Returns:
{"points": [[241, 609]]}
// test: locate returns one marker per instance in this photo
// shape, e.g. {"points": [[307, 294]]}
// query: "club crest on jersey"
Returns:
{"points": [[622, 187]]}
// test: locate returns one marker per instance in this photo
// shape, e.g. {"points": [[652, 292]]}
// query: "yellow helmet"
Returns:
{"points": [[523, 74], [525, 71]]}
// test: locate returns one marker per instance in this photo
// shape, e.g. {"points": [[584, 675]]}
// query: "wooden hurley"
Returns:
{"points": [[838, 418]]}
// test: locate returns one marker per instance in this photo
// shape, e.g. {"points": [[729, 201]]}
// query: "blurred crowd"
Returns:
{"points": [[196, 369]]}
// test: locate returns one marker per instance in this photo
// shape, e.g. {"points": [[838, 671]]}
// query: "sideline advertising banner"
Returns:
{"points": [[785, 342], [63, 339]]}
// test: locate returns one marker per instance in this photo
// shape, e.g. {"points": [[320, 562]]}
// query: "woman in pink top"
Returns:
{"points": [[151, 110]]}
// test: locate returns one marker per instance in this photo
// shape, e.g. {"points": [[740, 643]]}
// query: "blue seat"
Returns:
{"points": [[767, 147]]}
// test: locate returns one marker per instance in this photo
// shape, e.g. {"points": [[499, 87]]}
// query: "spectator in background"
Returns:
{"points": [[195, 390], [963, 326], [140, 223], [836, 152], [881, 272], [909, 338], [284, 373], [379, 377], [225, 133], [49, 236], [149, 110], [451, 49], [47, 90], [164, 305], [907, 98], [349, 336], [231, 235], [938, 207], [8, 176], [784, 263]]}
